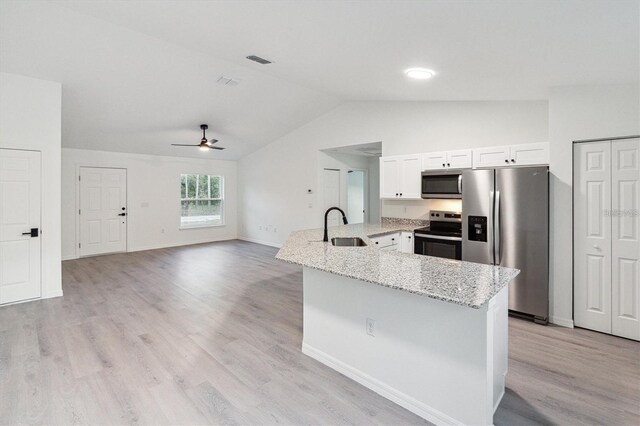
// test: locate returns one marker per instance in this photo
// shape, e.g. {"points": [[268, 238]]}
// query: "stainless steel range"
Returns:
{"points": [[443, 236]]}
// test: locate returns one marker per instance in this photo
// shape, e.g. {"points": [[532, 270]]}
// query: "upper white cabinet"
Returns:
{"points": [[460, 159], [511, 155], [400, 177]]}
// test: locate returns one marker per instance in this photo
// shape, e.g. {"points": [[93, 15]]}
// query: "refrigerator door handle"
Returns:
{"points": [[496, 228], [460, 184]]}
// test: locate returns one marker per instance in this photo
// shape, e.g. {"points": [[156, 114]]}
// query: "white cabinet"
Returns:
{"points": [[434, 160], [400, 177], [460, 159], [606, 233], [386, 242], [406, 242], [511, 155]]}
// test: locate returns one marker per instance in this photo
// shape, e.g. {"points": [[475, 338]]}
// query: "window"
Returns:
{"points": [[201, 199]]}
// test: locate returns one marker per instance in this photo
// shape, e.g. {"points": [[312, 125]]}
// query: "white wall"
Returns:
{"points": [[153, 198], [577, 113], [275, 179], [30, 119]]}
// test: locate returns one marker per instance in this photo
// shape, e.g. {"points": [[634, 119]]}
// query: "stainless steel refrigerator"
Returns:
{"points": [[505, 221]]}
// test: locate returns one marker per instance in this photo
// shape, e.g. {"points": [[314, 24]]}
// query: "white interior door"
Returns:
{"points": [[592, 236], [331, 194], [19, 215], [625, 243], [103, 210]]}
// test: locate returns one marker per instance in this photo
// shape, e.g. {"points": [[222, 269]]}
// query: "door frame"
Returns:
{"points": [[573, 225], [42, 237], [365, 189], [77, 203]]}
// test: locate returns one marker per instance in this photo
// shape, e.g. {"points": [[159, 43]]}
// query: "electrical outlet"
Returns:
{"points": [[260, 228], [371, 327], [275, 229]]}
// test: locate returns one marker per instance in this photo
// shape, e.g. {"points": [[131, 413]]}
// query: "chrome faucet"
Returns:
{"points": [[326, 214]]}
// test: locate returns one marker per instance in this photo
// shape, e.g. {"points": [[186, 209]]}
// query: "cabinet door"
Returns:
{"points": [[625, 243], [529, 154], [406, 242], [434, 161], [461, 159], [386, 241], [410, 177], [592, 236], [389, 177], [497, 156]]}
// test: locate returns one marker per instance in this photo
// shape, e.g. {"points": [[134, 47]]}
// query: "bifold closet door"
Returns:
{"points": [[592, 236], [625, 242]]}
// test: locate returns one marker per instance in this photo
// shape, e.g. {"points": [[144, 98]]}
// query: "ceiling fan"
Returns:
{"points": [[204, 143]]}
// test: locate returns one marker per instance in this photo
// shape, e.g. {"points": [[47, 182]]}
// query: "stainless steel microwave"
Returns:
{"points": [[442, 184]]}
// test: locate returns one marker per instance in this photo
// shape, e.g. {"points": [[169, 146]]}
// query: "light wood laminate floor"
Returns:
{"points": [[211, 333]]}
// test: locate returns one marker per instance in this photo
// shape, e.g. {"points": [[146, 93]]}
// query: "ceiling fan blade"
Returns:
{"points": [[179, 144], [217, 147], [212, 141]]}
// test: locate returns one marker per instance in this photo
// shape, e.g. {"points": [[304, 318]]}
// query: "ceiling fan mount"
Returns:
{"points": [[204, 143]]}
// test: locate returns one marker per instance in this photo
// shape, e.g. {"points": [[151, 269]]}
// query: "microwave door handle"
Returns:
{"points": [[497, 230], [460, 184]]}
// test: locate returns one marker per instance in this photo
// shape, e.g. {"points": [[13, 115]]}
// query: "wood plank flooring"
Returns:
{"points": [[211, 334]]}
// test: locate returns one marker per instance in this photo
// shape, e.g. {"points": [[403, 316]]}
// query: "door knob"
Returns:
{"points": [[33, 233], [122, 214]]}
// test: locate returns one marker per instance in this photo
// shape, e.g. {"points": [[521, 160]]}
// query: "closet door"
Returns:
{"points": [[625, 244], [592, 236]]}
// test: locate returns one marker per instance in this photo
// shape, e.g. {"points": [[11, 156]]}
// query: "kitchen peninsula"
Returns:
{"points": [[427, 333]]}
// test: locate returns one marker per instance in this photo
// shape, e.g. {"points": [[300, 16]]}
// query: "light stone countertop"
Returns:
{"points": [[464, 283]]}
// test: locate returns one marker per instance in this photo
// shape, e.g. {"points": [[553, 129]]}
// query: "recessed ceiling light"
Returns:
{"points": [[419, 73]]}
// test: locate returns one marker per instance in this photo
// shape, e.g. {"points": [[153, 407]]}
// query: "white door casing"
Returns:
{"points": [[103, 199], [20, 205], [625, 242], [592, 236]]}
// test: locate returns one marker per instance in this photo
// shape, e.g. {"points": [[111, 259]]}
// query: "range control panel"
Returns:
{"points": [[477, 228]]}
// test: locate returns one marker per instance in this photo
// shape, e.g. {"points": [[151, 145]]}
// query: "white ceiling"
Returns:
{"points": [[140, 75]]}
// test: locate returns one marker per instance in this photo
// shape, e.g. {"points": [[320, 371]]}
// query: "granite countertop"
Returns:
{"points": [[464, 283]]}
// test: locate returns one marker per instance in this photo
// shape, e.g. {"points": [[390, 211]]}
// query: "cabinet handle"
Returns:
{"points": [[443, 165], [506, 161], [401, 194], [448, 164], [377, 242], [513, 161]]}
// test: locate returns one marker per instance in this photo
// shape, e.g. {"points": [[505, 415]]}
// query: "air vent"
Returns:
{"points": [[258, 59], [227, 81]]}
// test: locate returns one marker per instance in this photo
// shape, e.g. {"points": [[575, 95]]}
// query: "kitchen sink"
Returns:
{"points": [[348, 242]]}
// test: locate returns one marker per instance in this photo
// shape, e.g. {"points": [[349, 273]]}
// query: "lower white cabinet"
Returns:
{"points": [[607, 237], [401, 241], [387, 242], [406, 242]]}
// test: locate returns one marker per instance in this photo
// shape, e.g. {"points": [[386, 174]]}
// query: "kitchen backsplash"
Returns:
{"points": [[416, 209]]}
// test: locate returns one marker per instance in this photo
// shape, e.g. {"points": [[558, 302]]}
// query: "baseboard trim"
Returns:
{"points": [[263, 242], [69, 257], [169, 245], [53, 294], [423, 410], [562, 322]]}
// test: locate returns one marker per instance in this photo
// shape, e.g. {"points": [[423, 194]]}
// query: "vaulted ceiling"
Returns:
{"points": [[140, 75]]}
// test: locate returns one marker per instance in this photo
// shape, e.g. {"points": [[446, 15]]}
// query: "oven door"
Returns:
{"points": [[442, 185], [438, 246]]}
